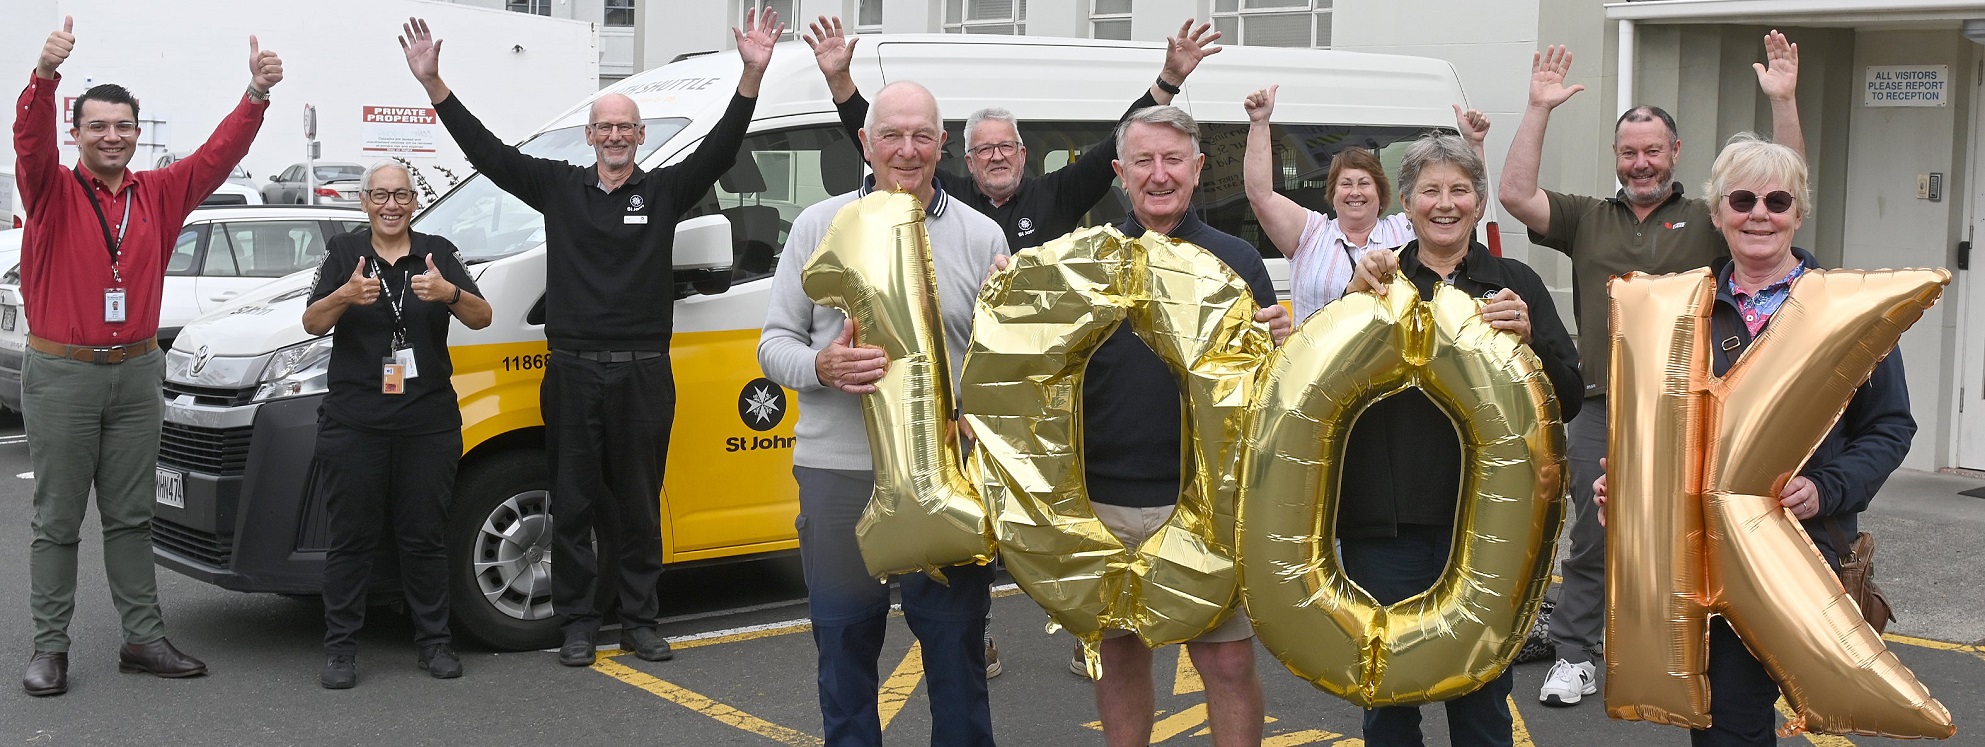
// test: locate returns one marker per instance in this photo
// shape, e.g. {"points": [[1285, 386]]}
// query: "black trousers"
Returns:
{"points": [[607, 433], [1742, 694], [364, 474]]}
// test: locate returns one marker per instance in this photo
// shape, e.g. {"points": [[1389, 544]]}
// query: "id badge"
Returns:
{"points": [[113, 305], [395, 379], [405, 357]]}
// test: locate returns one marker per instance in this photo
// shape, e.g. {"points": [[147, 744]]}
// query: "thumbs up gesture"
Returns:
{"points": [[430, 286], [265, 67], [56, 50], [359, 290]]}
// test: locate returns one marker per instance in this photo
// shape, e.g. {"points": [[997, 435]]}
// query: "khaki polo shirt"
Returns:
{"points": [[1604, 239]]}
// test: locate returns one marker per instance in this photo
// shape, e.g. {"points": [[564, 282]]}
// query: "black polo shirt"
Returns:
{"points": [[1131, 421], [1402, 464], [363, 338], [1045, 207], [609, 255]]}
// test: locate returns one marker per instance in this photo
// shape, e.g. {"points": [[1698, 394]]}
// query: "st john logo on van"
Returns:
{"points": [[762, 405]]}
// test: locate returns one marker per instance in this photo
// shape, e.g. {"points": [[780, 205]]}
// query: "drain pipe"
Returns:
{"points": [[1625, 66]]}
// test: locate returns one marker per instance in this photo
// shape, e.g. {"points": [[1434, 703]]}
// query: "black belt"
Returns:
{"points": [[613, 356]]}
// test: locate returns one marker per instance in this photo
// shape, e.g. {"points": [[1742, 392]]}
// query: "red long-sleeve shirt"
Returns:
{"points": [[65, 265]]}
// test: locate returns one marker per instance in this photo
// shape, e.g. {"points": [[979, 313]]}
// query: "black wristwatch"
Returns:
{"points": [[1167, 87], [458, 296]]}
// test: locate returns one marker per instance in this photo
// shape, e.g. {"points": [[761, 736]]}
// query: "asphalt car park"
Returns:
{"points": [[743, 672]]}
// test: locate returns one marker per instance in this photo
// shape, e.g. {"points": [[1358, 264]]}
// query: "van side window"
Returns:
{"points": [[1302, 170], [1050, 146], [777, 175]]}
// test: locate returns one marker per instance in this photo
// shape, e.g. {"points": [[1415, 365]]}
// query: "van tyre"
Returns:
{"points": [[499, 553]]}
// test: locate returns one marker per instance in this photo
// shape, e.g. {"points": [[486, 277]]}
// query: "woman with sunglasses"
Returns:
{"points": [[1761, 199], [389, 433]]}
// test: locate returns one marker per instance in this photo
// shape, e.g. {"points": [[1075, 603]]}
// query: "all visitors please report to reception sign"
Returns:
{"points": [[1908, 85]]}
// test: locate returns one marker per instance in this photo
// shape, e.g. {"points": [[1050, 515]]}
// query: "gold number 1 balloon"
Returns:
{"points": [[1694, 526], [875, 265]]}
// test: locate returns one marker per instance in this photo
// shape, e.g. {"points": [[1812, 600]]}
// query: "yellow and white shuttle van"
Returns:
{"points": [[236, 499]]}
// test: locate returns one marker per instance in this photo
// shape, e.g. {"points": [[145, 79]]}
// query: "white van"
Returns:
{"points": [[237, 505]]}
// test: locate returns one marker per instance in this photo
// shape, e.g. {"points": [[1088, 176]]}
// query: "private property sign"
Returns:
{"points": [[399, 130], [1908, 85]]}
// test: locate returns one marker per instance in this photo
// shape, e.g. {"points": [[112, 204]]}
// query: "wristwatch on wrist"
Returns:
{"points": [[1167, 87], [458, 296], [257, 96]]}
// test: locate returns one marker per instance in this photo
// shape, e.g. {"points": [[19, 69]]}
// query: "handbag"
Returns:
{"points": [[1857, 576], [1537, 646]]}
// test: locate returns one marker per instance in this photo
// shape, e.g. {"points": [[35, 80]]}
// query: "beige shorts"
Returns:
{"points": [[1133, 526]]}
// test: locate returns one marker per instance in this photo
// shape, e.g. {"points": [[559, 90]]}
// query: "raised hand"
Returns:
{"points": [[1547, 77], [1473, 124], [430, 286], [754, 42], [359, 290], [265, 69], [1260, 105], [1185, 50], [1778, 75], [423, 50], [833, 49], [56, 50]]}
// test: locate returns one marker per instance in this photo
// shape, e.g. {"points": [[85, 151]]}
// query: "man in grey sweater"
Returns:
{"points": [[807, 347]]}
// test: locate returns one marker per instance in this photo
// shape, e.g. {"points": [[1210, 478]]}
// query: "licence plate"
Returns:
{"points": [[171, 488], [8, 312]]}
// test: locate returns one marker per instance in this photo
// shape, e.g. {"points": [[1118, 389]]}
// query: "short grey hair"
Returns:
{"points": [[992, 113], [1436, 148], [937, 119], [1749, 157], [365, 182], [1164, 115]]}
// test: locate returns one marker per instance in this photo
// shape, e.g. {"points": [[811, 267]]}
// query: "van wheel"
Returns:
{"points": [[499, 553]]}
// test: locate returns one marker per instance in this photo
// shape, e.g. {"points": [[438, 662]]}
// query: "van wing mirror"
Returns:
{"points": [[704, 253]]}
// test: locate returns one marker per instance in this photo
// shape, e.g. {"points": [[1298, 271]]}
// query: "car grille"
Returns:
{"points": [[221, 452], [191, 543], [210, 395]]}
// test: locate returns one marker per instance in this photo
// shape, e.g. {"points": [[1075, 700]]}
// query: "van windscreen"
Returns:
{"points": [[486, 223]]}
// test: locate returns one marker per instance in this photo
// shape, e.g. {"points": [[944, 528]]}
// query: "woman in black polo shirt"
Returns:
{"points": [[1403, 461], [389, 432]]}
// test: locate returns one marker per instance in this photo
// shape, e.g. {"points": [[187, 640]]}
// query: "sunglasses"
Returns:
{"points": [[1744, 201]]}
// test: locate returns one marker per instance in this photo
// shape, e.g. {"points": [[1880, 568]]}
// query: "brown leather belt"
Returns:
{"points": [[104, 356]]}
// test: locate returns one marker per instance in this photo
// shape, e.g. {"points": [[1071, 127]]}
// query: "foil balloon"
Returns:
{"points": [[1035, 328], [1694, 526], [874, 264], [1465, 630]]}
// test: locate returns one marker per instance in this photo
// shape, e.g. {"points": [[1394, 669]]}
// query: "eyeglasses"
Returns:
{"points": [[608, 128], [98, 127], [1004, 149], [1744, 201], [380, 196]]}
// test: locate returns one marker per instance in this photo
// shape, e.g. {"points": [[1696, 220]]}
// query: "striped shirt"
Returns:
{"points": [[1322, 264]]}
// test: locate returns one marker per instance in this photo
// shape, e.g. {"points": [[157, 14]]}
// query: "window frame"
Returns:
{"points": [[612, 6], [1096, 16], [1234, 23], [1014, 24]]}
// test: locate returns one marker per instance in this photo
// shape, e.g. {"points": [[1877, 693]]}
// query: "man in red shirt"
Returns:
{"points": [[92, 270]]}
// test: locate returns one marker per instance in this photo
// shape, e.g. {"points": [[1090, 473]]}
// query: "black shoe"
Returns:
{"points": [[48, 673], [440, 661], [340, 672], [646, 644], [158, 658], [578, 649]]}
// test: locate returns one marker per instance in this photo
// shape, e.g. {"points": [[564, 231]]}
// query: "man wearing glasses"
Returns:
{"points": [[608, 396], [1649, 226], [93, 270]]}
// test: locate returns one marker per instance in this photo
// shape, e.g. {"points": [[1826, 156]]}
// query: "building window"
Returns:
{"points": [[534, 7], [785, 10], [985, 16], [620, 13], [868, 16], [1273, 23], [1109, 19]]}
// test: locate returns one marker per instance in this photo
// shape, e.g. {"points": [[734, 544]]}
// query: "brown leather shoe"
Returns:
{"points": [[158, 658], [48, 673]]}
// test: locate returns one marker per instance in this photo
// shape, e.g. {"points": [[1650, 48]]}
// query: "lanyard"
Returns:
{"points": [[104, 223], [394, 303]]}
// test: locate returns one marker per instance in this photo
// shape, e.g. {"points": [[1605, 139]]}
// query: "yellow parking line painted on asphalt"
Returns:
{"points": [[896, 690], [1299, 738], [1516, 726], [1179, 723], [1973, 649], [1823, 740], [701, 704], [1187, 679]]}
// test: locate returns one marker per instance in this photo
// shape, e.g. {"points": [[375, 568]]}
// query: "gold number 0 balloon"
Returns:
{"points": [[1464, 631], [1035, 328], [875, 265], [1694, 524]]}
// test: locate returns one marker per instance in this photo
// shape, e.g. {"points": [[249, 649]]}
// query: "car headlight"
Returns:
{"points": [[297, 370]]}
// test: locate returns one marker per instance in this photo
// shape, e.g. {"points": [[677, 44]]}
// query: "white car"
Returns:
{"points": [[11, 212], [221, 253]]}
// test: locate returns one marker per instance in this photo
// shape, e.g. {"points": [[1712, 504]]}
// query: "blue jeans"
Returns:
{"points": [[1392, 569], [1741, 694], [850, 612]]}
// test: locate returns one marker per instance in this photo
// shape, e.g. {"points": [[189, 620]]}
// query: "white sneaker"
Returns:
{"points": [[1567, 683]]}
